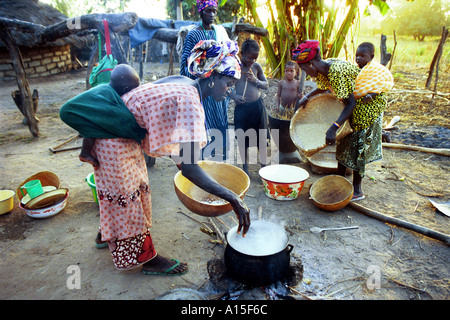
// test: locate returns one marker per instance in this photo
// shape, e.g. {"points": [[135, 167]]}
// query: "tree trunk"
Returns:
{"points": [[24, 88], [17, 97]]}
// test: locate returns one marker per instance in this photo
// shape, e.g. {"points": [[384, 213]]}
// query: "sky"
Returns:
{"points": [[148, 8]]}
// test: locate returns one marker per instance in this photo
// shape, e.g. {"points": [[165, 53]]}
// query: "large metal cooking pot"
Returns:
{"points": [[261, 257]]}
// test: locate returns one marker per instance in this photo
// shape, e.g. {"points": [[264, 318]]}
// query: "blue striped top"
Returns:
{"points": [[216, 113]]}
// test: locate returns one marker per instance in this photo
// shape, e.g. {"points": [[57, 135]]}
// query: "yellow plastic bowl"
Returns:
{"points": [[203, 203], [6, 201]]}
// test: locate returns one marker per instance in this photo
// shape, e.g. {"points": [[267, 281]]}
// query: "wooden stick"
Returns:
{"points": [[442, 152], [418, 91], [393, 51], [401, 223], [219, 231], [65, 142], [202, 223], [245, 89], [410, 287], [222, 223]]}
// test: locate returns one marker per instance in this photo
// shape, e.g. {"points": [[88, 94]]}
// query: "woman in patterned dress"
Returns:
{"points": [[216, 112], [172, 114], [363, 145]]}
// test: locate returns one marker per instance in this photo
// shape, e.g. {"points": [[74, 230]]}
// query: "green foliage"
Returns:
{"points": [[382, 6], [398, 76], [418, 18], [293, 21], [228, 9], [74, 8]]}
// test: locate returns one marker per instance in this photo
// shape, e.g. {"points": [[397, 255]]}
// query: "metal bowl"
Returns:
{"points": [[331, 193], [48, 211], [203, 203]]}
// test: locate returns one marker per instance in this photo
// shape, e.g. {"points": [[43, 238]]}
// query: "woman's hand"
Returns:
{"points": [[243, 215], [203, 180], [330, 137]]}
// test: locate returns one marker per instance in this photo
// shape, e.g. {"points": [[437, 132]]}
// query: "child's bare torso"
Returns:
{"points": [[246, 88], [289, 92]]}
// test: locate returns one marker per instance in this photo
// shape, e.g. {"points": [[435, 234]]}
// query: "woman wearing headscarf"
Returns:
{"points": [[172, 114], [216, 112], [363, 145]]}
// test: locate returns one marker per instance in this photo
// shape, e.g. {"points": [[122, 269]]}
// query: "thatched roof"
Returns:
{"points": [[38, 13]]}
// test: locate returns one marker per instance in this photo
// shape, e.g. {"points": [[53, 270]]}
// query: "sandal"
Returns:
{"points": [[356, 198], [99, 243], [168, 271]]}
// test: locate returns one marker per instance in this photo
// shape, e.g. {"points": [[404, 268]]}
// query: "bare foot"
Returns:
{"points": [[89, 158], [164, 266]]}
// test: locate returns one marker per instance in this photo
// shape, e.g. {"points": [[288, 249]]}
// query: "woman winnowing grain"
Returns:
{"points": [[363, 145]]}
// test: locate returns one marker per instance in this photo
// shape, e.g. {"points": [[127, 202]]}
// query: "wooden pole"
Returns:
{"points": [[384, 55], [393, 51], [441, 152], [26, 100], [436, 57], [401, 223]]}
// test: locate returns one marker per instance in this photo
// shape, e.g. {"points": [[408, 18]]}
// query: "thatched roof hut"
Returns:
{"points": [[47, 59]]}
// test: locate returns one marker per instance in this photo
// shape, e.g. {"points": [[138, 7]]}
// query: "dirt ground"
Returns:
{"points": [[377, 261]]}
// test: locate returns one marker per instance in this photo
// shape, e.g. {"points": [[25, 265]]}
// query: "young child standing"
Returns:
{"points": [[250, 111], [288, 94]]}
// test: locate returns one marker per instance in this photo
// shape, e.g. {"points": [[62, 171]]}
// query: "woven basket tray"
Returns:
{"points": [[309, 125]]}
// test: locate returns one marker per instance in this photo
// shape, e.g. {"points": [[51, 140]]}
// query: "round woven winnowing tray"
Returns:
{"points": [[309, 125]]}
